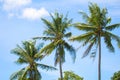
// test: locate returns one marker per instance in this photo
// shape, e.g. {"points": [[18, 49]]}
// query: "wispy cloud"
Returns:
{"points": [[22, 9], [33, 14], [14, 4]]}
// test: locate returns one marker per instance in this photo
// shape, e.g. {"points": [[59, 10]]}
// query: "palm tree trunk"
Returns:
{"points": [[31, 74], [60, 66], [99, 58]]}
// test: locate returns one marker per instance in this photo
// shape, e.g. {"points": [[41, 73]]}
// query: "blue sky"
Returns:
{"points": [[20, 20]]}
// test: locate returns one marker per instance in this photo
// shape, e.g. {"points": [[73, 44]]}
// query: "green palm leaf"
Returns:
{"points": [[23, 75], [84, 16], [71, 50], [88, 49], [44, 38], [112, 27], [47, 49], [114, 37], [67, 35], [21, 52], [107, 40], [38, 75], [82, 37], [15, 75], [48, 24], [84, 27], [46, 67]]}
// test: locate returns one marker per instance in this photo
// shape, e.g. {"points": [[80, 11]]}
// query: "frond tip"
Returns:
{"points": [[46, 67]]}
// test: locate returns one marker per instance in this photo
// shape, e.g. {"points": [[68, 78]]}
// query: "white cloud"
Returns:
{"points": [[14, 4], [17, 8], [33, 14]]}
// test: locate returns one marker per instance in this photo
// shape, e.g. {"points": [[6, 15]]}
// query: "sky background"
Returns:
{"points": [[20, 21]]}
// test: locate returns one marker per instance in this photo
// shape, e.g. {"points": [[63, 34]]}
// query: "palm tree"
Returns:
{"points": [[116, 76], [56, 33], [27, 55], [97, 26], [70, 75]]}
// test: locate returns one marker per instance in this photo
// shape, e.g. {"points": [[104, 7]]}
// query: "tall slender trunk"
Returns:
{"points": [[31, 76], [31, 73], [60, 66], [99, 58]]}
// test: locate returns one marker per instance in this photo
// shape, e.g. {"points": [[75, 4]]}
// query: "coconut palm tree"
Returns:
{"points": [[56, 33], [27, 55], [96, 26], [116, 76], [70, 75]]}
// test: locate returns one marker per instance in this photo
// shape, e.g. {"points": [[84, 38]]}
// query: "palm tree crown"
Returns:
{"points": [[56, 33], [27, 55], [97, 26]]}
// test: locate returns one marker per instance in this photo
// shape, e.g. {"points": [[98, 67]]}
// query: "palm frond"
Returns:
{"points": [[107, 40], [66, 24], [26, 46], [91, 42], [88, 50], [57, 58], [29, 47], [44, 38], [21, 52], [46, 67], [84, 27], [84, 16], [71, 50], [60, 54], [49, 32], [56, 21], [95, 15], [67, 35], [108, 20], [39, 56], [16, 75], [39, 46], [21, 61], [46, 50], [82, 37], [60, 22], [87, 40], [104, 20], [37, 75], [23, 75], [112, 27], [48, 24], [93, 53], [114, 37]]}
